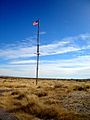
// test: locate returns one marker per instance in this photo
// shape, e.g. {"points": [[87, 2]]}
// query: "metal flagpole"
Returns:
{"points": [[37, 67]]}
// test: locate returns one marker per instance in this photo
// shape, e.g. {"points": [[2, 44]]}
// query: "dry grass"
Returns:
{"points": [[49, 100]]}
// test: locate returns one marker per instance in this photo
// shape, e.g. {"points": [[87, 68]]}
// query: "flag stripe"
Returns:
{"points": [[35, 23]]}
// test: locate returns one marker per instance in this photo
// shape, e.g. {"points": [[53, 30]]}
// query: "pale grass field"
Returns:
{"points": [[49, 100]]}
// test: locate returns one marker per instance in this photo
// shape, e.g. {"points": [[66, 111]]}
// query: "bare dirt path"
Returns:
{"points": [[4, 115]]}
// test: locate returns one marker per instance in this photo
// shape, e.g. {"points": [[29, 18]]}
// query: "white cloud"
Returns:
{"points": [[24, 49], [76, 68], [85, 36], [42, 33], [23, 62], [72, 68], [20, 62]]}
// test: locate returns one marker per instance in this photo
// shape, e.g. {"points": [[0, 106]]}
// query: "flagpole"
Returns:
{"points": [[37, 67]]}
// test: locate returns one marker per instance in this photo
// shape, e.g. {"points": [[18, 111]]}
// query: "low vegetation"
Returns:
{"points": [[49, 100]]}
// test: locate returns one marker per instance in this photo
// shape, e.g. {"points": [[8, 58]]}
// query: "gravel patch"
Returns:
{"points": [[77, 101]]}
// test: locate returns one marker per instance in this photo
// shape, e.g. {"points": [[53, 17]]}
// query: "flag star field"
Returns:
{"points": [[64, 38]]}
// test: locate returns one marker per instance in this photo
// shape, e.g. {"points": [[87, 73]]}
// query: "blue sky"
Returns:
{"points": [[64, 38]]}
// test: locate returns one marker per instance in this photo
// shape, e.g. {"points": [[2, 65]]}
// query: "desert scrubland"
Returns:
{"points": [[48, 100]]}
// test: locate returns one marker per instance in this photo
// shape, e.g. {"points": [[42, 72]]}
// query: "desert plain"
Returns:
{"points": [[50, 99]]}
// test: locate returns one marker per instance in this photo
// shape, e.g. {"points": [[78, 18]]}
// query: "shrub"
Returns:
{"points": [[80, 88], [41, 93]]}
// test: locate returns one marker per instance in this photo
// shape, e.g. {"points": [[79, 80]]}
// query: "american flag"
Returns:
{"points": [[36, 22]]}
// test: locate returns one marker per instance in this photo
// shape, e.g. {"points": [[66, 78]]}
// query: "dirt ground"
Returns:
{"points": [[48, 100]]}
